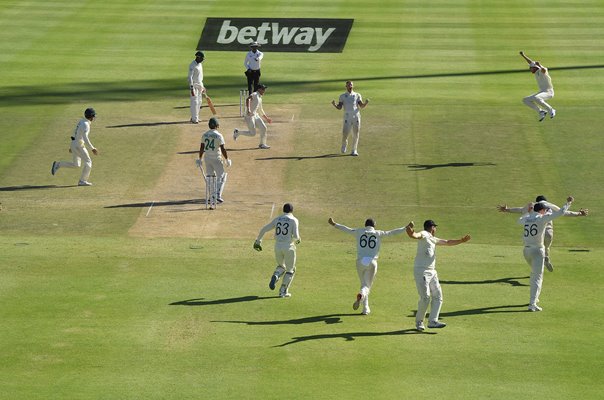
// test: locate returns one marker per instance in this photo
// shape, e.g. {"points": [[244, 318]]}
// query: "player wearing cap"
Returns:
{"points": [[548, 237], [352, 102], [287, 236], [368, 241], [535, 224], [546, 90], [78, 149], [252, 63], [424, 271], [253, 117], [196, 85], [214, 154]]}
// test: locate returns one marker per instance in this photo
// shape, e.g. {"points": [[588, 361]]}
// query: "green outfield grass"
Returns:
{"points": [[91, 312]]}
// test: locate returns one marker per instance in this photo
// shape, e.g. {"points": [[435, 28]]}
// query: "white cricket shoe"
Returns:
{"points": [[84, 183], [355, 305], [366, 310], [436, 324], [343, 149], [534, 308], [235, 134], [552, 113], [419, 325], [354, 153], [55, 167], [542, 115], [264, 147], [285, 294]]}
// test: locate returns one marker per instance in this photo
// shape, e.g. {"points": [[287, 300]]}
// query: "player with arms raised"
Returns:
{"points": [[368, 241], [535, 223]]}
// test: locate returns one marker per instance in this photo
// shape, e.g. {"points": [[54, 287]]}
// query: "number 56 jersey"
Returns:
{"points": [[535, 224]]}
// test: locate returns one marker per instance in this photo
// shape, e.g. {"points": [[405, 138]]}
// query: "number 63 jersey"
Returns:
{"points": [[535, 223], [286, 229]]}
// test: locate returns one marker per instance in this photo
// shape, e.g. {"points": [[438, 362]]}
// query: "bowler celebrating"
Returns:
{"points": [[546, 90]]}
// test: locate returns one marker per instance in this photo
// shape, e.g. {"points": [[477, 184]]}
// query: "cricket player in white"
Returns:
{"points": [[78, 149], [352, 102], [546, 90], [253, 117], [368, 241], [535, 224], [426, 277], [287, 236], [196, 85], [212, 151], [548, 237]]}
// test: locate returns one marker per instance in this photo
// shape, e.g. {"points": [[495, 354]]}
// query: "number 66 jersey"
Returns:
{"points": [[368, 239]]}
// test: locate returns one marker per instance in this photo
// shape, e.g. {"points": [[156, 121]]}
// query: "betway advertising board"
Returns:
{"points": [[308, 35]]}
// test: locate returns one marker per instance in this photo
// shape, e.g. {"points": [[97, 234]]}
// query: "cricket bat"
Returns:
{"points": [[211, 105]]}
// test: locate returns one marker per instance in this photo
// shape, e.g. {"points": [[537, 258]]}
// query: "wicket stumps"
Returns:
{"points": [[243, 94], [211, 189]]}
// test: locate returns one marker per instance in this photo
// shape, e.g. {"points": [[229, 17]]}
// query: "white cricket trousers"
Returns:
{"points": [[430, 293], [79, 153], [352, 123], [367, 271], [255, 124], [534, 257], [196, 100], [537, 101], [285, 255]]}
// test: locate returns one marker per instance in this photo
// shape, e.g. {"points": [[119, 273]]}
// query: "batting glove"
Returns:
{"points": [[229, 162], [257, 245], [198, 162]]}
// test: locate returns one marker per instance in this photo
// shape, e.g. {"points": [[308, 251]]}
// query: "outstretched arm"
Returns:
{"points": [[341, 227], [454, 242], [505, 208], [528, 60]]}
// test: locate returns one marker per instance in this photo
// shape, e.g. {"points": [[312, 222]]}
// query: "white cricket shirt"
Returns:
{"points": [[286, 229], [425, 258], [195, 74], [544, 81]]}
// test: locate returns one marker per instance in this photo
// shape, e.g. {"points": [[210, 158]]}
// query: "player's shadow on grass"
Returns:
{"points": [[351, 336], [423, 167], [513, 281], [203, 302], [516, 308], [327, 319], [298, 158], [158, 204], [33, 187], [143, 124]]}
